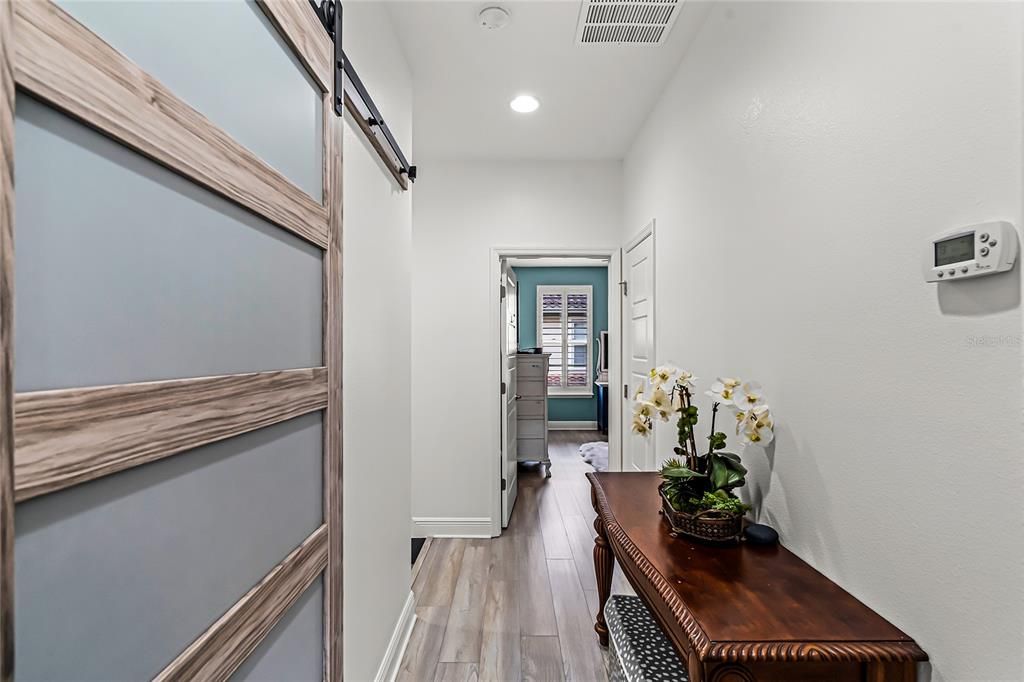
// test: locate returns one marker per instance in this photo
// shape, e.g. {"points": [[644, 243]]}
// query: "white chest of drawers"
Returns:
{"points": [[532, 410]]}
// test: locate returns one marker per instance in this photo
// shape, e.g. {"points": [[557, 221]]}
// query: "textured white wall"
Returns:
{"points": [[797, 165], [377, 426], [462, 210]]}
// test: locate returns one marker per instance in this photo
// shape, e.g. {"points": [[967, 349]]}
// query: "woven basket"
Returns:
{"points": [[710, 525]]}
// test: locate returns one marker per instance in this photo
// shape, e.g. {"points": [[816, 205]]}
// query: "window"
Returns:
{"points": [[564, 320]]}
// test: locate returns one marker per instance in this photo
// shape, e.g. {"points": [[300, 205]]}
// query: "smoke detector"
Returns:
{"points": [[626, 22], [493, 18]]}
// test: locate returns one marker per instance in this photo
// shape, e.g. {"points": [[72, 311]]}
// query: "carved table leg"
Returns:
{"points": [[603, 566]]}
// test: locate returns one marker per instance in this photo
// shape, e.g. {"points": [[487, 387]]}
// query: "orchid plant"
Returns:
{"points": [[698, 481]]}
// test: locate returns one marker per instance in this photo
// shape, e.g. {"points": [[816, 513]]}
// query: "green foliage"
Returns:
{"points": [[726, 471], [713, 476], [719, 501], [673, 468], [680, 481], [687, 420], [693, 491]]}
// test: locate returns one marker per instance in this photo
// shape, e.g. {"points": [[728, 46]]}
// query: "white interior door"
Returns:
{"points": [[509, 346], [638, 453]]}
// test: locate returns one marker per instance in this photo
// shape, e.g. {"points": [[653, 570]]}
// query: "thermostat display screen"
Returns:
{"points": [[954, 250]]}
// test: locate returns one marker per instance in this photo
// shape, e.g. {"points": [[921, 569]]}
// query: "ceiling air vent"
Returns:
{"points": [[626, 22]]}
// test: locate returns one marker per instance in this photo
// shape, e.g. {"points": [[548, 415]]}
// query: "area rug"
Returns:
{"points": [[596, 455]]}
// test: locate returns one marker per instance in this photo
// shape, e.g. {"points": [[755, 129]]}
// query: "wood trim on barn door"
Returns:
{"points": [[301, 28], [333, 585], [73, 435], [218, 652], [64, 63], [6, 341], [68, 436]]}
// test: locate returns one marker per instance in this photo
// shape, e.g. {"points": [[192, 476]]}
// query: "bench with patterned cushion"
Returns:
{"points": [[638, 648]]}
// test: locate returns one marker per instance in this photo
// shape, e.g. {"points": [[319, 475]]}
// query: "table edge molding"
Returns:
{"points": [[735, 651]]}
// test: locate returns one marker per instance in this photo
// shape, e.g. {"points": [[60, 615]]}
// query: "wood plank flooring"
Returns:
{"points": [[520, 606]]}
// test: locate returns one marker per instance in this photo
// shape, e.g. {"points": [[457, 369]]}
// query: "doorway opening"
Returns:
{"points": [[557, 358]]}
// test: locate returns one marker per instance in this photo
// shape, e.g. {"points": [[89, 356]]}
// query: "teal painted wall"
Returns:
{"points": [[563, 409]]}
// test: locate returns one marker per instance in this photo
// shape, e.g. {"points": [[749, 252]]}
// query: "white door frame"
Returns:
{"points": [[647, 231], [614, 256]]}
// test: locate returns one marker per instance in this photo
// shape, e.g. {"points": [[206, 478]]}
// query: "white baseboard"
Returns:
{"points": [[572, 426], [450, 527], [388, 670]]}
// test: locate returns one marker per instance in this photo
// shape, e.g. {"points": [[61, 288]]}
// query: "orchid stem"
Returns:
{"points": [[692, 463], [714, 413]]}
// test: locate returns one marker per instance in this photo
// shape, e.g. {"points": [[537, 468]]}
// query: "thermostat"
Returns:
{"points": [[973, 251]]}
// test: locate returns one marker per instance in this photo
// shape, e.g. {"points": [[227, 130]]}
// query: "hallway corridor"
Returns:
{"points": [[520, 606]]}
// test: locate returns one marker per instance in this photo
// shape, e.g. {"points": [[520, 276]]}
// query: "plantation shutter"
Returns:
{"points": [[563, 326]]}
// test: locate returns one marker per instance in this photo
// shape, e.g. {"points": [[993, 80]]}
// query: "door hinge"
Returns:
{"points": [[504, 291], [625, 391], [625, 287], [504, 388], [504, 484]]}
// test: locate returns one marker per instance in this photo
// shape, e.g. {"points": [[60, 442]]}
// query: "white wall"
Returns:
{"points": [[377, 272], [797, 165], [462, 210]]}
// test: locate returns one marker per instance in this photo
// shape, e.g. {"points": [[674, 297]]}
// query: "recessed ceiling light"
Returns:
{"points": [[524, 104]]}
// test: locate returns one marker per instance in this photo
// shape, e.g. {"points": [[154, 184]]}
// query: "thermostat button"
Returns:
{"points": [[992, 242], [984, 251], [941, 273], [984, 237], [952, 272], [963, 269]]}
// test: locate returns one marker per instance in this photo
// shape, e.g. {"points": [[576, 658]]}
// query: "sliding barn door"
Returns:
{"points": [[170, 227]]}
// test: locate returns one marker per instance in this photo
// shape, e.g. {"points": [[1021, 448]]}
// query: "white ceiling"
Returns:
{"points": [[593, 97]]}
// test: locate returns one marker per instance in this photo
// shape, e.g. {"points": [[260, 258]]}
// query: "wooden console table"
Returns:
{"points": [[739, 613]]}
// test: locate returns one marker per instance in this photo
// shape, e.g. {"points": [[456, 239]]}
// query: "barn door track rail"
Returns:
{"points": [[351, 94]]}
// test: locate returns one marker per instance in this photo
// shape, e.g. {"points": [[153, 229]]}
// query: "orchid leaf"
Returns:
{"points": [[680, 472], [726, 472]]}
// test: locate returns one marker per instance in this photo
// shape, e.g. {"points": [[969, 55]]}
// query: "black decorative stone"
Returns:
{"points": [[760, 534]]}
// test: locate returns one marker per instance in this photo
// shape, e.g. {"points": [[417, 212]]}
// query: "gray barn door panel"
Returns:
{"points": [[128, 272], [229, 63], [115, 577]]}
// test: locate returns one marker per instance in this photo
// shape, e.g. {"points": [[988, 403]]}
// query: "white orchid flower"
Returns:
{"points": [[685, 379], [756, 425], [741, 418], [760, 437], [663, 375], [641, 427], [723, 390], [759, 417], [660, 400], [748, 396], [644, 409]]}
